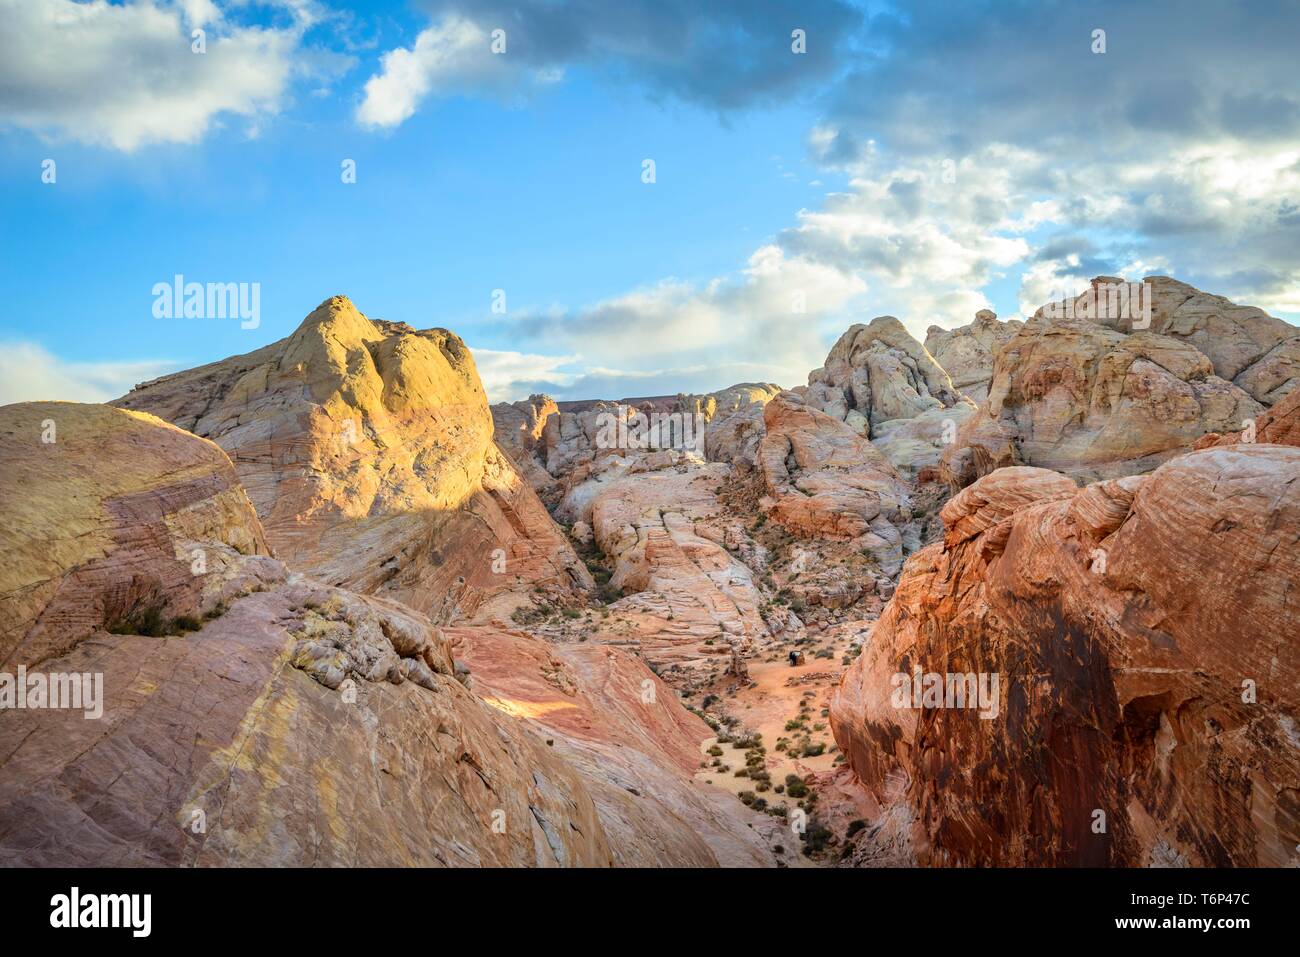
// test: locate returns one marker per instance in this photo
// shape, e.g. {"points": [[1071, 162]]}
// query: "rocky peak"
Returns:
{"points": [[367, 449]]}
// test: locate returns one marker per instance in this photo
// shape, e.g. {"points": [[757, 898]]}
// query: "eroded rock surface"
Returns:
{"points": [[1072, 395], [878, 372], [825, 480], [966, 353], [1144, 632], [249, 716], [114, 520], [627, 733]]}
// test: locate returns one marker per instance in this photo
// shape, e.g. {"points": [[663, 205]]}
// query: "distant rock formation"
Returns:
{"points": [[666, 537], [1251, 349], [825, 480], [1071, 394], [558, 447], [878, 372], [886, 386], [519, 428], [367, 450], [1143, 631], [966, 353]]}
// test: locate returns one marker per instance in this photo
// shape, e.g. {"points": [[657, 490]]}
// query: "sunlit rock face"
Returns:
{"points": [[367, 449], [115, 519], [1143, 631]]}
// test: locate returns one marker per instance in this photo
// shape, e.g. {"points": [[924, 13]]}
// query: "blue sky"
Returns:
{"points": [[914, 161]]}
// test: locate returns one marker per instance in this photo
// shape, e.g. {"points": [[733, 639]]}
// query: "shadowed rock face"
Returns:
{"points": [[1279, 425], [1144, 632], [1248, 347], [366, 448]]}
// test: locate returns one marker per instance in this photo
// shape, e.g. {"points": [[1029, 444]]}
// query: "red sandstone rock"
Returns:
{"points": [[1144, 631]]}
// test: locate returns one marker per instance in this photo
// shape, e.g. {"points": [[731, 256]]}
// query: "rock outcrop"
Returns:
{"points": [[825, 480], [878, 372], [1143, 631], [966, 353], [1248, 347], [627, 733], [687, 598], [1279, 425], [1072, 395], [519, 428], [115, 520], [248, 716], [367, 449]]}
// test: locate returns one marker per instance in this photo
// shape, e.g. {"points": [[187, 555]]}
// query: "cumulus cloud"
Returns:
{"points": [[29, 373], [125, 75], [1175, 150], [720, 55], [507, 376], [763, 320]]}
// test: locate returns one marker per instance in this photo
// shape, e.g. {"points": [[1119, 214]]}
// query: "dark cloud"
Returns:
{"points": [[723, 54], [944, 77]]}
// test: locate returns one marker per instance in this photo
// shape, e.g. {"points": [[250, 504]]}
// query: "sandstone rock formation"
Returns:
{"points": [[367, 449], [519, 427], [253, 716], [113, 520], [825, 480], [878, 372], [627, 733], [1279, 425], [552, 445], [1075, 396], [966, 353], [222, 678], [687, 597], [734, 418], [1144, 633], [1247, 346]]}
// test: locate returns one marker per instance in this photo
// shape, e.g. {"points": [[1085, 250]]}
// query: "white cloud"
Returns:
{"points": [[454, 54], [29, 373], [507, 376], [125, 75]]}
